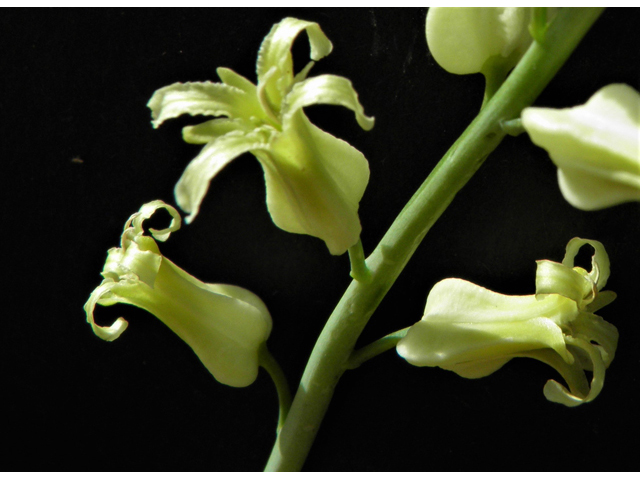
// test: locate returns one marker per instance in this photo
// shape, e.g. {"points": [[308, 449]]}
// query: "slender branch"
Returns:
{"points": [[374, 349], [280, 381], [359, 269], [494, 75], [330, 356]]}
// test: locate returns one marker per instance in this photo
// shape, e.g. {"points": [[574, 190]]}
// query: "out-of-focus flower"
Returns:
{"points": [[596, 146], [466, 40], [314, 180], [223, 324], [473, 331]]}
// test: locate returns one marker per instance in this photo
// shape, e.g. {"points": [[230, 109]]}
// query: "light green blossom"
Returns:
{"points": [[225, 325], [466, 40], [596, 146], [473, 331], [314, 181]]}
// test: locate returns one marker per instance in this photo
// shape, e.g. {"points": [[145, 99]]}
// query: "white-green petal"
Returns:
{"points": [[589, 189], [146, 212], [600, 264], [233, 79], [314, 183], [194, 183], [325, 89], [202, 98], [596, 146], [553, 277], [210, 130], [595, 330], [572, 373], [275, 52]]}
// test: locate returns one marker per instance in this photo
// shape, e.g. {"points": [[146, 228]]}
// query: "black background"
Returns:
{"points": [[74, 84]]}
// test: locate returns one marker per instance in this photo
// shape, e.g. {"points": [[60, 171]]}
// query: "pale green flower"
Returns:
{"points": [[466, 40], [596, 146], [223, 324], [473, 331], [314, 180]]}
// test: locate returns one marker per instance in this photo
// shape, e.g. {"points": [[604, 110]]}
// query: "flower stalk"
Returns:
{"points": [[331, 355], [274, 370]]}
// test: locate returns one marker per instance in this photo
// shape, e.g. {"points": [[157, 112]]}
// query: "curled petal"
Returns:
{"points": [[572, 373], [325, 89], [594, 329], [202, 98], [194, 183], [275, 51], [145, 213], [600, 265], [105, 333], [559, 394], [210, 130]]}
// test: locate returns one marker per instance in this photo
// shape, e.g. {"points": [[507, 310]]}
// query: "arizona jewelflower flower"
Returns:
{"points": [[473, 331], [314, 181], [596, 146], [224, 325]]}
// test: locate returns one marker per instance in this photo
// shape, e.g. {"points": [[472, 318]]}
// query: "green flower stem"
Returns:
{"points": [[494, 75], [376, 348], [359, 269], [331, 354], [513, 127], [280, 381]]}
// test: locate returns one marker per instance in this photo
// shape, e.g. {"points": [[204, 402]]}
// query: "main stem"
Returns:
{"points": [[330, 356]]}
